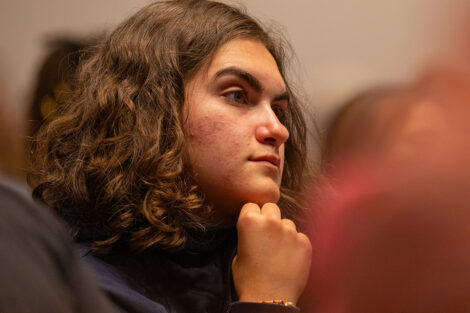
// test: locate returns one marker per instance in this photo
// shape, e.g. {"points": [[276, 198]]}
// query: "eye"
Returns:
{"points": [[280, 113], [238, 96]]}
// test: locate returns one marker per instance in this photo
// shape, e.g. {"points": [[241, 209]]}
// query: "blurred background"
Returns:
{"points": [[342, 46]]}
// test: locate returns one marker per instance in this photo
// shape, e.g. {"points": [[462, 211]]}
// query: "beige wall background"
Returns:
{"points": [[342, 46]]}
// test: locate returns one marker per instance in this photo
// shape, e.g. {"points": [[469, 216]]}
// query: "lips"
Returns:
{"points": [[274, 160]]}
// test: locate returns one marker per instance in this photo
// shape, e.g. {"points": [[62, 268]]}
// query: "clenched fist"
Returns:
{"points": [[273, 259]]}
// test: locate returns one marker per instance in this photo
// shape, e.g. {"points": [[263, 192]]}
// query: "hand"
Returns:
{"points": [[273, 259]]}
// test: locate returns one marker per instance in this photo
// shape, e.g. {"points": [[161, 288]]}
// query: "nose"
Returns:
{"points": [[270, 130]]}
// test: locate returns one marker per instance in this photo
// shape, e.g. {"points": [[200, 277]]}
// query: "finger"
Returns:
{"points": [[250, 208], [305, 242], [271, 209], [287, 223]]}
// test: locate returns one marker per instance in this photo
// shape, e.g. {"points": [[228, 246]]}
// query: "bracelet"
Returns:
{"points": [[280, 302]]}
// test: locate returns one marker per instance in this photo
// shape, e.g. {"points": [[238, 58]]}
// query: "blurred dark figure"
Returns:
{"points": [[391, 228], [39, 269], [56, 78], [11, 147], [388, 122]]}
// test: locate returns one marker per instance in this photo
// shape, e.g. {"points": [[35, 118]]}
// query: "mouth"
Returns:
{"points": [[269, 158]]}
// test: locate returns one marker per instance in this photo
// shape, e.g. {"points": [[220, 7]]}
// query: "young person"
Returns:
{"points": [[182, 126]]}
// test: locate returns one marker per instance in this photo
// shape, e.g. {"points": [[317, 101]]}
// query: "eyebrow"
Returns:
{"points": [[250, 80]]}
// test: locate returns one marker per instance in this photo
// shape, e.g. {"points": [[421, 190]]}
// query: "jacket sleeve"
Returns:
{"points": [[254, 307]]}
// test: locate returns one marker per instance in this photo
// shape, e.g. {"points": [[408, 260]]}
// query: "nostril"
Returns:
{"points": [[270, 140]]}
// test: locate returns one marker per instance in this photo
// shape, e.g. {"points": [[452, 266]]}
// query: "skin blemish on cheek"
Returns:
{"points": [[205, 128], [210, 128]]}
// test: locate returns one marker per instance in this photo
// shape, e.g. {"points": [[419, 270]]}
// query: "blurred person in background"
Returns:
{"points": [[11, 143], [56, 78], [391, 218], [39, 268], [388, 122]]}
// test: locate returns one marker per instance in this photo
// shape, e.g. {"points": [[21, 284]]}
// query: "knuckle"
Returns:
{"points": [[288, 223], [272, 222], [304, 242], [289, 227], [292, 232], [249, 206], [270, 205], [247, 219]]}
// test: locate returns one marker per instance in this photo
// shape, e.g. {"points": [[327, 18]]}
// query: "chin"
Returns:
{"points": [[226, 211], [265, 196]]}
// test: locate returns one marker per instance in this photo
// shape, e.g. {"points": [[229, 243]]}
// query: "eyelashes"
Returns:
{"points": [[280, 113], [240, 96]]}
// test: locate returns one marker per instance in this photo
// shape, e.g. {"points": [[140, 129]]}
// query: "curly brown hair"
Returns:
{"points": [[114, 159]]}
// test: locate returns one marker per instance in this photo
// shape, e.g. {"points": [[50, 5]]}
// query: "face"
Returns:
{"points": [[233, 112]]}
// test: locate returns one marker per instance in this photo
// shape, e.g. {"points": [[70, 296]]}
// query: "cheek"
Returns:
{"points": [[213, 138], [205, 130]]}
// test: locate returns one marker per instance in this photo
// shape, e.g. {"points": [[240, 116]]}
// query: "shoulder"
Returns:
{"points": [[116, 283]]}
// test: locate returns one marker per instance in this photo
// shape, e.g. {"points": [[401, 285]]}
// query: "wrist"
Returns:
{"points": [[267, 299], [279, 302], [257, 307]]}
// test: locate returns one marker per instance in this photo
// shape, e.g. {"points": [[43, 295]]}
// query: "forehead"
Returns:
{"points": [[251, 56]]}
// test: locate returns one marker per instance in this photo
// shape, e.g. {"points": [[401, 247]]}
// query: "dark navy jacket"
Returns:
{"points": [[194, 280]]}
